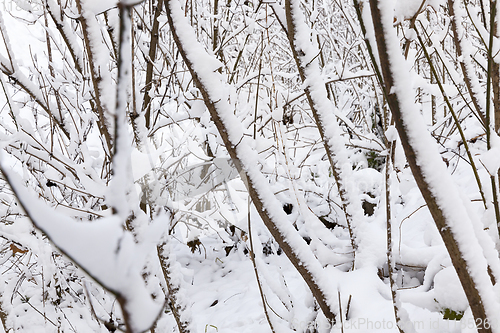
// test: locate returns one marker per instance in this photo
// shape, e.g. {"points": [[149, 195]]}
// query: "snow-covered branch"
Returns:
{"points": [[203, 68], [435, 183]]}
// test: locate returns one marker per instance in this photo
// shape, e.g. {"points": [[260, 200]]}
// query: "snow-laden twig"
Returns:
{"points": [[203, 68], [9, 67]]}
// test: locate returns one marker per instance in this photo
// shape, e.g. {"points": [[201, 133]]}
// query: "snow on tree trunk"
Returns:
{"points": [[435, 183]]}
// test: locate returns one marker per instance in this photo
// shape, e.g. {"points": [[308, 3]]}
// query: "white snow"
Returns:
{"points": [[103, 248], [43, 291], [441, 184]]}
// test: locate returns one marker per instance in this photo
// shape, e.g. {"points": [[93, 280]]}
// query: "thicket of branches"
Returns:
{"points": [[126, 128]]}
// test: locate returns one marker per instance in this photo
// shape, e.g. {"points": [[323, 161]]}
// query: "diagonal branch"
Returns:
{"points": [[435, 183], [203, 68], [305, 55]]}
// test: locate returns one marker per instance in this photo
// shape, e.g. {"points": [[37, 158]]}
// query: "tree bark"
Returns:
{"points": [[412, 155]]}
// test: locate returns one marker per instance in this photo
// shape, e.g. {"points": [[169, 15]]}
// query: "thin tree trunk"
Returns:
{"points": [[431, 195], [172, 289], [328, 128], [153, 45]]}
